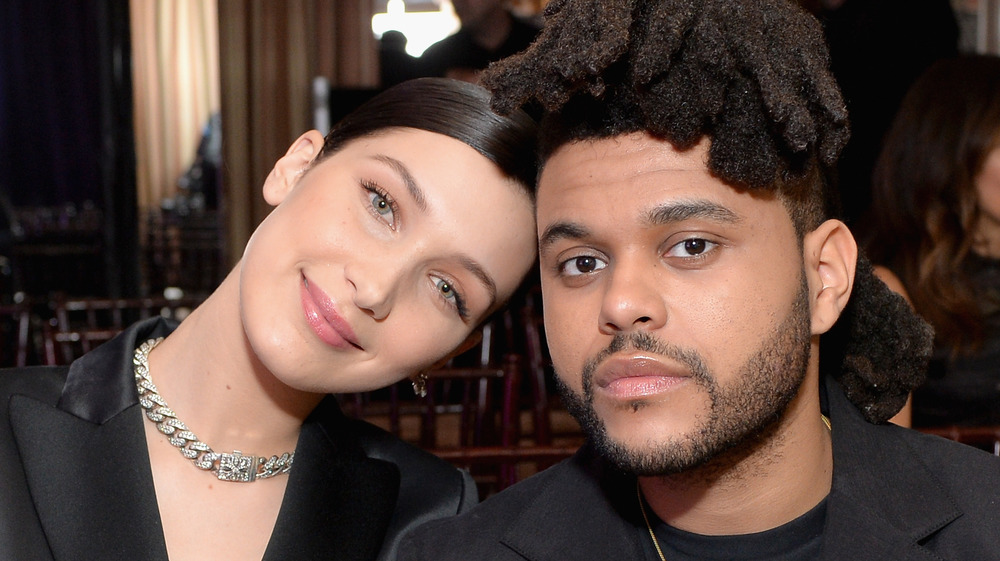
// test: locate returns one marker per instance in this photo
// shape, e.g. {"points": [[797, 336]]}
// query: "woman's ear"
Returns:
{"points": [[830, 254], [287, 170]]}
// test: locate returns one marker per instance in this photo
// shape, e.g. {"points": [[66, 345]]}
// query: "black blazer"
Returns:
{"points": [[897, 495], [77, 485]]}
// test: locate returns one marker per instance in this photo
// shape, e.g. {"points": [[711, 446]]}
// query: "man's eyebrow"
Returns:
{"points": [[407, 177], [561, 231], [686, 210], [476, 269]]}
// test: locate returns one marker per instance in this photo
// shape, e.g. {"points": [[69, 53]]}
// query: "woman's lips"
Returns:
{"points": [[322, 317], [630, 378]]}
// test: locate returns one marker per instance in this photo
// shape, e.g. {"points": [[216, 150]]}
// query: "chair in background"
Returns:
{"points": [[472, 414], [986, 438], [80, 324]]}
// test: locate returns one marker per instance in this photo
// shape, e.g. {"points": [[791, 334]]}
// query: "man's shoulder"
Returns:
{"points": [[479, 533], [956, 464]]}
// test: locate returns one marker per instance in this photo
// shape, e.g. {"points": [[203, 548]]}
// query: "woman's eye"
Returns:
{"points": [[583, 265], [691, 247], [450, 294], [382, 204]]}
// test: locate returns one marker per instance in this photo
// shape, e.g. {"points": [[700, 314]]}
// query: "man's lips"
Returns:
{"points": [[637, 376], [322, 316]]}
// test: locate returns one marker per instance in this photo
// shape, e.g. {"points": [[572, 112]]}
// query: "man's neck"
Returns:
{"points": [[779, 478]]}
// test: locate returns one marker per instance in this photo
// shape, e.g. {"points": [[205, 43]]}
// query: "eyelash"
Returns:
{"points": [[373, 188], [459, 302]]}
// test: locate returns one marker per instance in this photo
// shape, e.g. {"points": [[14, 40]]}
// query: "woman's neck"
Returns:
{"points": [[209, 375]]}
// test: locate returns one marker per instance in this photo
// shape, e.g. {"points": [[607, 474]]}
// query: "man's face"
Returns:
{"points": [[676, 309]]}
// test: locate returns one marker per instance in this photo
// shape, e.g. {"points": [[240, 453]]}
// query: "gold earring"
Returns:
{"points": [[420, 384]]}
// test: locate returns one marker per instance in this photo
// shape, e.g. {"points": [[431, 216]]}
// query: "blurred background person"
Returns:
{"points": [[489, 32], [878, 48], [936, 231]]}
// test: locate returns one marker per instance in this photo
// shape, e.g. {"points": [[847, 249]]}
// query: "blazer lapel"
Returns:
{"points": [[880, 507], [338, 503], [572, 518], [91, 483]]}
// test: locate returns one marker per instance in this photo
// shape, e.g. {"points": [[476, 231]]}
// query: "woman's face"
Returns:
{"points": [[379, 260], [988, 191]]}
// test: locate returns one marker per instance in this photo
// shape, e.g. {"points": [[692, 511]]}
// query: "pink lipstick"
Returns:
{"points": [[322, 317]]}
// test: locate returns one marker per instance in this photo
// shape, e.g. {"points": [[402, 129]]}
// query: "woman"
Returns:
{"points": [[937, 219], [391, 240]]}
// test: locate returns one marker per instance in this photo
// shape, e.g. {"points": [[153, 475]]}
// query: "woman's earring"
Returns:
{"points": [[420, 385]]}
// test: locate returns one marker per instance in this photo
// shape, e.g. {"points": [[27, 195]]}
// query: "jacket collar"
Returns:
{"points": [[884, 499], [869, 516], [88, 471], [571, 517]]}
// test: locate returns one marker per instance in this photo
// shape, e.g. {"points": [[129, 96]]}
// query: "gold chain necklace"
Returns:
{"points": [[642, 508]]}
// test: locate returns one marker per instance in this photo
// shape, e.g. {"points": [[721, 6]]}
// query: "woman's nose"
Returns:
{"points": [[375, 286]]}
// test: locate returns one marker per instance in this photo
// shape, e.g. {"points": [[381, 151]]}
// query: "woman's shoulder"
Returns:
{"points": [[380, 444], [429, 487], [44, 383]]}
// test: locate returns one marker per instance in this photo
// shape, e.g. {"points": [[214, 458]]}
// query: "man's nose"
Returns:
{"points": [[633, 299]]}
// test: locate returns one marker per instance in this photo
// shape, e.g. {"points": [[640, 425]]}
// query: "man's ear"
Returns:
{"points": [[830, 254], [287, 170]]}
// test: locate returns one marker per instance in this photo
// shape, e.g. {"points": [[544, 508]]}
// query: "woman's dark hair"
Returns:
{"points": [[924, 191], [453, 108]]}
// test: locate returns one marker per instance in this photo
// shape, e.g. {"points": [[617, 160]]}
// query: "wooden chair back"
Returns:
{"points": [[78, 325], [986, 438]]}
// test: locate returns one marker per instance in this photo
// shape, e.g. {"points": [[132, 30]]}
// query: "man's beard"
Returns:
{"points": [[741, 414]]}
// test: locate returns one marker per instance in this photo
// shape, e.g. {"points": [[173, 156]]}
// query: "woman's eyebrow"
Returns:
{"points": [[480, 273], [407, 177]]}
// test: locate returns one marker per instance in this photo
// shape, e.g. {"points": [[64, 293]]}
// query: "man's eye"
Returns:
{"points": [[582, 265], [691, 247]]}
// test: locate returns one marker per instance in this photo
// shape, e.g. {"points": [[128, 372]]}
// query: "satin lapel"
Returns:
{"points": [[338, 503], [91, 483]]}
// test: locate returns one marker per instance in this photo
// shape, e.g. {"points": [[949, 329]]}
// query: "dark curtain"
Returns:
{"points": [[66, 122]]}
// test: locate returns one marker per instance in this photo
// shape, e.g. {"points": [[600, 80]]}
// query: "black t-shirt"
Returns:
{"points": [[799, 540]]}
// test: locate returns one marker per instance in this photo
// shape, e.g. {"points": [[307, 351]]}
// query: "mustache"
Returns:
{"points": [[646, 342]]}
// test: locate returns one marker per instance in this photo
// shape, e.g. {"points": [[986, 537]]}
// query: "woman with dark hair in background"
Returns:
{"points": [[937, 232], [392, 239]]}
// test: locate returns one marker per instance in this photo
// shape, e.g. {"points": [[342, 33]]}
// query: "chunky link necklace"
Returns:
{"points": [[227, 467]]}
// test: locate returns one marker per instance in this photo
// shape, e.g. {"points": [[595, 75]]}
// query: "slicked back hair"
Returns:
{"points": [[453, 108]]}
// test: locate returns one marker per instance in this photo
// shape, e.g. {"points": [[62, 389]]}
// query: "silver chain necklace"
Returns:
{"points": [[227, 467]]}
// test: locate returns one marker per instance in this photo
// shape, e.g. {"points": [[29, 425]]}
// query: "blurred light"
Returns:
{"points": [[422, 29]]}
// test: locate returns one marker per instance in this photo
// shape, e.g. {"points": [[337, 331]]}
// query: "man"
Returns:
{"points": [[690, 276], [489, 33]]}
